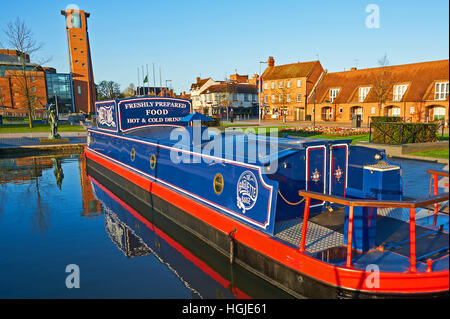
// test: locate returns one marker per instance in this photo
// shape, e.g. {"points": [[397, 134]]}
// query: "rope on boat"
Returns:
{"points": [[288, 202]]}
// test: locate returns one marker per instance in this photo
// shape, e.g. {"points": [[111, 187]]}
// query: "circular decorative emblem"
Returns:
{"points": [[152, 161], [315, 176], [246, 191], [218, 184], [132, 154], [338, 174]]}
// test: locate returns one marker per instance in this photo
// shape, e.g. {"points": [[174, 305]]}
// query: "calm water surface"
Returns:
{"points": [[50, 218]]}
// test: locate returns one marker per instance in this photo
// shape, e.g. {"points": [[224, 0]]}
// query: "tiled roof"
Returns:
{"points": [[231, 88], [199, 83], [420, 78], [293, 70]]}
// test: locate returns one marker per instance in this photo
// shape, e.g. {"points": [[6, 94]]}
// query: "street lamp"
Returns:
{"points": [[259, 92]]}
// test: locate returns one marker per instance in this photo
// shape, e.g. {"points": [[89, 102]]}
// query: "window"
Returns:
{"points": [[266, 86], [333, 94], [438, 113], [74, 49], [411, 110], [299, 83], [266, 99], [235, 97], [246, 97], [79, 90], [299, 97], [76, 20], [273, 98], [255, 97], [280, 98], [340, 110], [288, 83], [441, 91], [363, 92], [395, 111], [31, 78], [373, 110], [33, 89], [288, 98], [280, 84], [399, 90]]}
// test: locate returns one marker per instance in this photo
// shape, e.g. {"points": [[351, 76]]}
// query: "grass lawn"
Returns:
{"points": [[39, 128], [443, 153]]}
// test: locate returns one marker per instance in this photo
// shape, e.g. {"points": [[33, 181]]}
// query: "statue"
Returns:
{"points": [[53, 118]]}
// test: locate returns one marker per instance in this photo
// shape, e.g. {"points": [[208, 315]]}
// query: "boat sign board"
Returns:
{"points": [[137, 113], [128, 114]]}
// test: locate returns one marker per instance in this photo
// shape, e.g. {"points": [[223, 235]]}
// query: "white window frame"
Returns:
{"points": [[299, 83], [299, 97], [280, 98], [398, 111], [266, 86], [273, 98], [280, 84], [266, 99], [333, 94], [362, 93], [288, 98], [288, 83], [272, 85], [399, 91], [441, 91]]}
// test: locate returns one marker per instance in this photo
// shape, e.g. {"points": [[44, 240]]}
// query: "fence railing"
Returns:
{"points": [[352, 203]]}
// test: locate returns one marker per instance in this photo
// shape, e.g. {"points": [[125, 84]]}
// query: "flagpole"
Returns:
{"points": [[148, 85], [137, 89], [142, 67], [160, 79], [154, 81]]}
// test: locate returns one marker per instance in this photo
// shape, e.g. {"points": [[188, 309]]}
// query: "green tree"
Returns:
{"points": [[107, 90]]}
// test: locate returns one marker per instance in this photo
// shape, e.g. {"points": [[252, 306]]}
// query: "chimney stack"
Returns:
{"points": [[353, 69], [271, 61]]}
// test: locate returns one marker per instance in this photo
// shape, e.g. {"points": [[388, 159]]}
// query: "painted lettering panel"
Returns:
{"points": [[137, 113]]}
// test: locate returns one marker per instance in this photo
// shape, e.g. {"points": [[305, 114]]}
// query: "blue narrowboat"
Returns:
{"points": [[317, 218]]}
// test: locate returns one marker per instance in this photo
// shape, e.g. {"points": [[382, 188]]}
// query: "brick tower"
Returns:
{"points": [[80, 59]]}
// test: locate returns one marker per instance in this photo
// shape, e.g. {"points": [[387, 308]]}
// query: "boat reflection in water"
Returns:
{"points": [[137, 230]]}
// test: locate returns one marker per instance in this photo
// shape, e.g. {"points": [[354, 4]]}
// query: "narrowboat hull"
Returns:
{"points": [[265, 256]]}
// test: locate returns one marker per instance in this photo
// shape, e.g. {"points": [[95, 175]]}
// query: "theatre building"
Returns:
{"points": [[42, 85]]}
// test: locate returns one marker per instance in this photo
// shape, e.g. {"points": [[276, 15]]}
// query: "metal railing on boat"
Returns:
{"points": [[352, 203], [434, 177]]}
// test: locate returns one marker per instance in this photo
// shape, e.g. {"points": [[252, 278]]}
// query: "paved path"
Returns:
{"points": [[15, 140]]}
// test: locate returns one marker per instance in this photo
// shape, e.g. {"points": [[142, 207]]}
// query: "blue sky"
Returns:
{"points": [[215, 38]]}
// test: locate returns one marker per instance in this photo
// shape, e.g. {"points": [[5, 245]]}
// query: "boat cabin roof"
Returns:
{"points": [[236, 145]]}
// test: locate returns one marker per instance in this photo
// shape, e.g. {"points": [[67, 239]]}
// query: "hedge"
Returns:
{"points": [[403, 133]]}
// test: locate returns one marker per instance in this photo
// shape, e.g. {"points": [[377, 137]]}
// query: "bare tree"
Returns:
{"points": [[382, 82], [282, 100], [20, 38], [129, 91]]}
